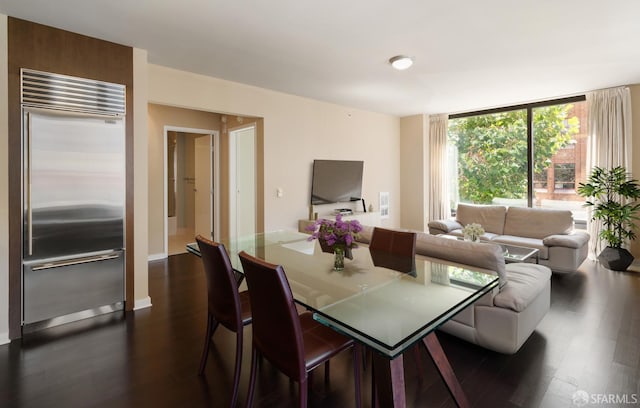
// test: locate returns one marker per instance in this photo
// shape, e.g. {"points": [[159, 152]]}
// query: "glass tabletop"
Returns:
{"points": [[514, 253], [385, 302], [510, 252]]}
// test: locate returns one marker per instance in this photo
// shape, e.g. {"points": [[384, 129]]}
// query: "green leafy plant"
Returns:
{"points": [[613, 195], [493, 151]]}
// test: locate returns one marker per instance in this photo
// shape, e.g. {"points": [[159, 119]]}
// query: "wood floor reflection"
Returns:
{"points": [[590, 340]]}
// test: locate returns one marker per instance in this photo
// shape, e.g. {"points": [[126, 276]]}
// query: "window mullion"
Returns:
{"points": [[530, 156]]}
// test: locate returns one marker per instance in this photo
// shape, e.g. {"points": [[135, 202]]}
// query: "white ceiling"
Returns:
{"points": [[469, 54]]}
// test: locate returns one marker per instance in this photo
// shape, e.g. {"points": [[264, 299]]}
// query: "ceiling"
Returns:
{"points": [[469, 54]]}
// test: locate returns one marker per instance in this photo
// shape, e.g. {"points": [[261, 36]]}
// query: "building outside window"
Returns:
{"points": [[564, 177]]}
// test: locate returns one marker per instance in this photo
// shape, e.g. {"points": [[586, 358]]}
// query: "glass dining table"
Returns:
{"points": [[383, 302]]}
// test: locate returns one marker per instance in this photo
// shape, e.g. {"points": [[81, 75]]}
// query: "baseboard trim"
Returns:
{"points": [[4, 338], [142, 303], [156, 257]]}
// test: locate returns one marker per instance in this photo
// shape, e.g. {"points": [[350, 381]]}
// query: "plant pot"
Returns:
{"points": [[616, 259]]}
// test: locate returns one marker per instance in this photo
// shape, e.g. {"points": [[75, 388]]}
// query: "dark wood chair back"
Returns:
{"points": [[225, 305], [399, 243], [277, 332], [222, 288]]}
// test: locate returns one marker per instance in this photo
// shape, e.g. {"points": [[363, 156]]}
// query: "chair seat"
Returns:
{"points": [[245, 307], [320, 342]]}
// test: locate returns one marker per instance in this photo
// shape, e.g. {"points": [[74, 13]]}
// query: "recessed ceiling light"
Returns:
{"points": [[401, 62]]}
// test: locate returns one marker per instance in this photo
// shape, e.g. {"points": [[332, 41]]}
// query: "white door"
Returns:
{"points": [[242, 183], [203, 187]]}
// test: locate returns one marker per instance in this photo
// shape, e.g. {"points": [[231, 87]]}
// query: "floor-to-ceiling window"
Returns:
{"points": [[527, 155]]}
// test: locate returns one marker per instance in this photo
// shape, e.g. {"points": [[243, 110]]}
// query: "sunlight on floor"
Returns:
{"points": [[178, 241], [635, 266]]}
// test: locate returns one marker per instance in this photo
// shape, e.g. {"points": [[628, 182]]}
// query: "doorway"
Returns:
{"points": [[242, 181], [190, 186]]}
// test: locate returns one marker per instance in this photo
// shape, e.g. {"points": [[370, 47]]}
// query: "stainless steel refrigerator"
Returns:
{"points": [[73, 198]]}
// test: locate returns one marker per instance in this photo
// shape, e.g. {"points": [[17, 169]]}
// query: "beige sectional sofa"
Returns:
{"points": [[562, 248], [501, 320]]}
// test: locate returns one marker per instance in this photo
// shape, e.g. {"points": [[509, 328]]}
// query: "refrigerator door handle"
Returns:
{"points": [[50, 265], [28, 189]]}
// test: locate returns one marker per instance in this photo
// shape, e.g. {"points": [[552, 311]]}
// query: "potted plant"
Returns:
{"points": [[613, 196]]}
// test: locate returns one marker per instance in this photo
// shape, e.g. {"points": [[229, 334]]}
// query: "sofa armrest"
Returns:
{"points": [[443, 226], [575, 239]]}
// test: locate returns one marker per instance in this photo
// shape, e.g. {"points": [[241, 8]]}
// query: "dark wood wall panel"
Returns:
{"points": [[44, 48]]}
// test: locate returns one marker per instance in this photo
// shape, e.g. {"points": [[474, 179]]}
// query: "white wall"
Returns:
{"points": [[296, 131], [4, 185]]}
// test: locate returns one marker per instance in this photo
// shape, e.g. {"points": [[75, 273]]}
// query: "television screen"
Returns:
{"points": [[336, 181]]}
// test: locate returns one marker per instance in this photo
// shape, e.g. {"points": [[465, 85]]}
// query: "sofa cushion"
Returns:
{"points": [[525, 282], [576, 239], [491, 217], [537, 222], [364, 236], [443, 226], [487, 236], [481, 255]]}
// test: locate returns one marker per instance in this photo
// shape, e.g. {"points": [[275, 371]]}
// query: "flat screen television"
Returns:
{"points": [[336, 181]]}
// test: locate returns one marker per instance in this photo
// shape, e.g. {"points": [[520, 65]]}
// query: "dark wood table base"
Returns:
{"points": [[389, 376]]}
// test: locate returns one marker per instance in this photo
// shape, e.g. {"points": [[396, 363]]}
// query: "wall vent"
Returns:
{"points": [[55, 91]]}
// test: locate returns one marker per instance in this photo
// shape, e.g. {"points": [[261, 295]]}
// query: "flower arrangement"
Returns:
{"points": [[338, 233], [473, 231]]}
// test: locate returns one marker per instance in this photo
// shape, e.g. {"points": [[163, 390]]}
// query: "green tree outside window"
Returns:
{"points": [[492, 150]]}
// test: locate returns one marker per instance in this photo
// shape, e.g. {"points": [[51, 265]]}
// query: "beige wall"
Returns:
{"points": [[296, 131], [159, 117], [140, 179], [414, 134], [4, 185]]}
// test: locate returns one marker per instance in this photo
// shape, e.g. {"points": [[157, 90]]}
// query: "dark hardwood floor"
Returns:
{"points": [[589, 340]]}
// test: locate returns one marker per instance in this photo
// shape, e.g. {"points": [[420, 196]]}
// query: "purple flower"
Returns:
{"points": [[348, 239], [338, 232]]}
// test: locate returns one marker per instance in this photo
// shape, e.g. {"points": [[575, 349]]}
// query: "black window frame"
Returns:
{"points": [[529, 107]]}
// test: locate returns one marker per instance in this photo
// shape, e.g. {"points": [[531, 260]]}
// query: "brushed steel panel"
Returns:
{"points": [[86, 283], [76, 185]]}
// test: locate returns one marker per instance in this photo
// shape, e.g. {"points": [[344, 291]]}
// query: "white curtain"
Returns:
{"points": [[609, 140], [438, 178]]}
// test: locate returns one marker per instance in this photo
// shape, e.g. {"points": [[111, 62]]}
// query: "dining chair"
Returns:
{"points": [[295, 344], [225, 304], [401, 243]]}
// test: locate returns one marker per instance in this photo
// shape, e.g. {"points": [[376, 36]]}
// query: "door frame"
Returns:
{"points": [[214, 165]]}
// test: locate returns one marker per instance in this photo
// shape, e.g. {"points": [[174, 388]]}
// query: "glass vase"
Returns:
{"points": [[472, 238], [338, 259]]}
